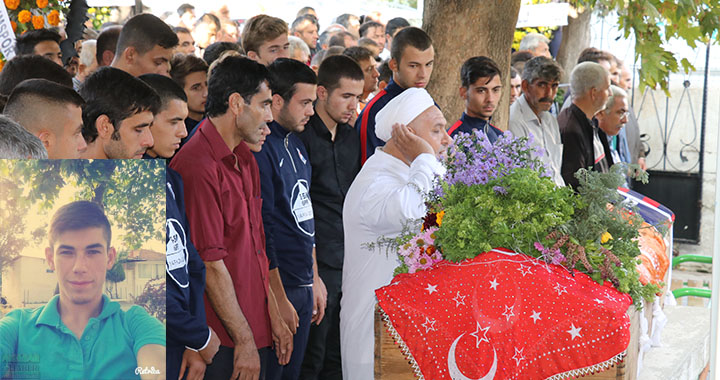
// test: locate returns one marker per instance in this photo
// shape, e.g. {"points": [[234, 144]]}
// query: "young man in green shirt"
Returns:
{"points": [[80, 333]]}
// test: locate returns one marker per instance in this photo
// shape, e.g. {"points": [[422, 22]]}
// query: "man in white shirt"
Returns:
{"points": [[529, 114], [389, 190]]}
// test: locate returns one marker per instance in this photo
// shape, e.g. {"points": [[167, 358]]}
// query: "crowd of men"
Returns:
{"points": [[288, 150]]}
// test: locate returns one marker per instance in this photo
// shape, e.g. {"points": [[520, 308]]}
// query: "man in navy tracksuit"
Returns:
{"points": [[481, 89], [191, 343], [411, 62], [287, 212]]}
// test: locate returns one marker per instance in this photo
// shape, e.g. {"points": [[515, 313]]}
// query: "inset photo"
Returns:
{"points": [[82, 269]]}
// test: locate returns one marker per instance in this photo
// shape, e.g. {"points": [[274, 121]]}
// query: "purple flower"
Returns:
{"points": [[499, 190]]}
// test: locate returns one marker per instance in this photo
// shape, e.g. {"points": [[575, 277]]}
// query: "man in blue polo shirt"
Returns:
{"points": [[287, 211], [481, 89], [80, 333], [412, 64]]}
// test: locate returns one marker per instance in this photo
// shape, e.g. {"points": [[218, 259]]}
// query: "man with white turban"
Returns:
{"points": [[390, 188]]}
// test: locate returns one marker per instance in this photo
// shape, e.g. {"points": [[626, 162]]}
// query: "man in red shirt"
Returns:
{"points": [[222, 189]]}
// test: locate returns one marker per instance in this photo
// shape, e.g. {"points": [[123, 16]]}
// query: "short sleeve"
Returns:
{"points": [[143, 328]]}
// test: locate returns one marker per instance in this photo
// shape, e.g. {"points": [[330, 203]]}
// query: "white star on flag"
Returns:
{"points": [[574, 331], [431, 289], [610, 298], [508, 312], [535, 316], [493, 284], [559, 288], [476, 334], [598, 300], [518, 356], [429, 325], [525, 270], [459, 300]]}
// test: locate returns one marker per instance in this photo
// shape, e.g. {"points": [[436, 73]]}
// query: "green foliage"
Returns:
{"points": [[479, 218], [153, 299], [13, 208], [656, 23], [98, 16]]}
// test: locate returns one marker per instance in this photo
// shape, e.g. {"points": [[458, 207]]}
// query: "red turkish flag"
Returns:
{"points": [[505, 315]]}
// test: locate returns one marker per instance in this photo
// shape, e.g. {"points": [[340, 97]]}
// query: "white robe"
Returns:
{"points": [[383, 196]]}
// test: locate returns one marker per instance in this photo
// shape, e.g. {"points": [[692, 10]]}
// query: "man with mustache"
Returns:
{"points": [[530, 112], [481, 89]]}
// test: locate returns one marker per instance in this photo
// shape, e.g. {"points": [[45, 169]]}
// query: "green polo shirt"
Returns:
{"points": [[34, 343]]}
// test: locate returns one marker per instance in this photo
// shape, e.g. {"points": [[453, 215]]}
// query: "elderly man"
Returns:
{"points": [[529, 114], [537, 44], [585, 146], [612, 119], [389, 189]]}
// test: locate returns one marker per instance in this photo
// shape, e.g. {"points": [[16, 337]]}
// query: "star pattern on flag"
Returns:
{"points": [[431, 288], [610, 298], [459, 300], [559, 288], [535, 316], [493, 284], [518, 357], [429, 325], [477, 336], [574, 331], [599, 301], [508, 312], [524, 270]]}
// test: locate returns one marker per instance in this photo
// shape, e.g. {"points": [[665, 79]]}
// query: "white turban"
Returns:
{"points": [[402, 109]]}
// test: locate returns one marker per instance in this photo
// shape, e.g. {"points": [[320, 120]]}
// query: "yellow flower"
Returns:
{"points": [[41, 3], [24, 16], [439, 217], [38, 22], [606, 237], [12, 4], [54, 18]]}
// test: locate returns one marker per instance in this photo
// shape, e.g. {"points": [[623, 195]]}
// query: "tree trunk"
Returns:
{"points": [[576, 37], [461, 29]]}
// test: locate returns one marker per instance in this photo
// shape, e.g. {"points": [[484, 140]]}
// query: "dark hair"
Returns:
{"points": [[233, 75], [181, 29], [305, 10], [107, 41], [31, 90], [334, 68], [116, 94], [367, 25], [410, 36], [208, 18], [338, 39], [79, 215], [213, 51], [165, 87], [285, 73], [541, 67], [344, 19], [261, 28], [477, 67], [324, 38], [299, 20], [384, 71], [144, 32], [25, 43], [592, 54], [184, 8], [183, 65], [21, 68], [359, 53], [394, 24], [513, 73]]}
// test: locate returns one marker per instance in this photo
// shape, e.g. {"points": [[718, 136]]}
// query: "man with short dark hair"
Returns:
{"points": [[391, 29], [190, 72], [145, 46], [168, 126], [42, 42], [186, 13], [530, 112], [80, 332], [333, 149], [350, 22], [265, 39], [306, 28], [107, 45], [53, 113], [25, 67], [17, 143], [374, 31], [366, 60], [215, 50], [344, 39], [117, 115], [412, 61], [222, 191], [515, 85], [186, 44], [287, 213], [481, 88], [206, 30]]}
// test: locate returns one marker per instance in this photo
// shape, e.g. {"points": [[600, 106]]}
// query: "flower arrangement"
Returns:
{"points": [[500, 195], [34, 14]]}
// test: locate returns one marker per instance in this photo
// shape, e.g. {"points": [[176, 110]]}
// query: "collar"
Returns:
{"points": [[473, 120], [277, 129], [581, 117], [393, 88], [50, 315], [527, 112], [218, 149], [317, 124]]}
